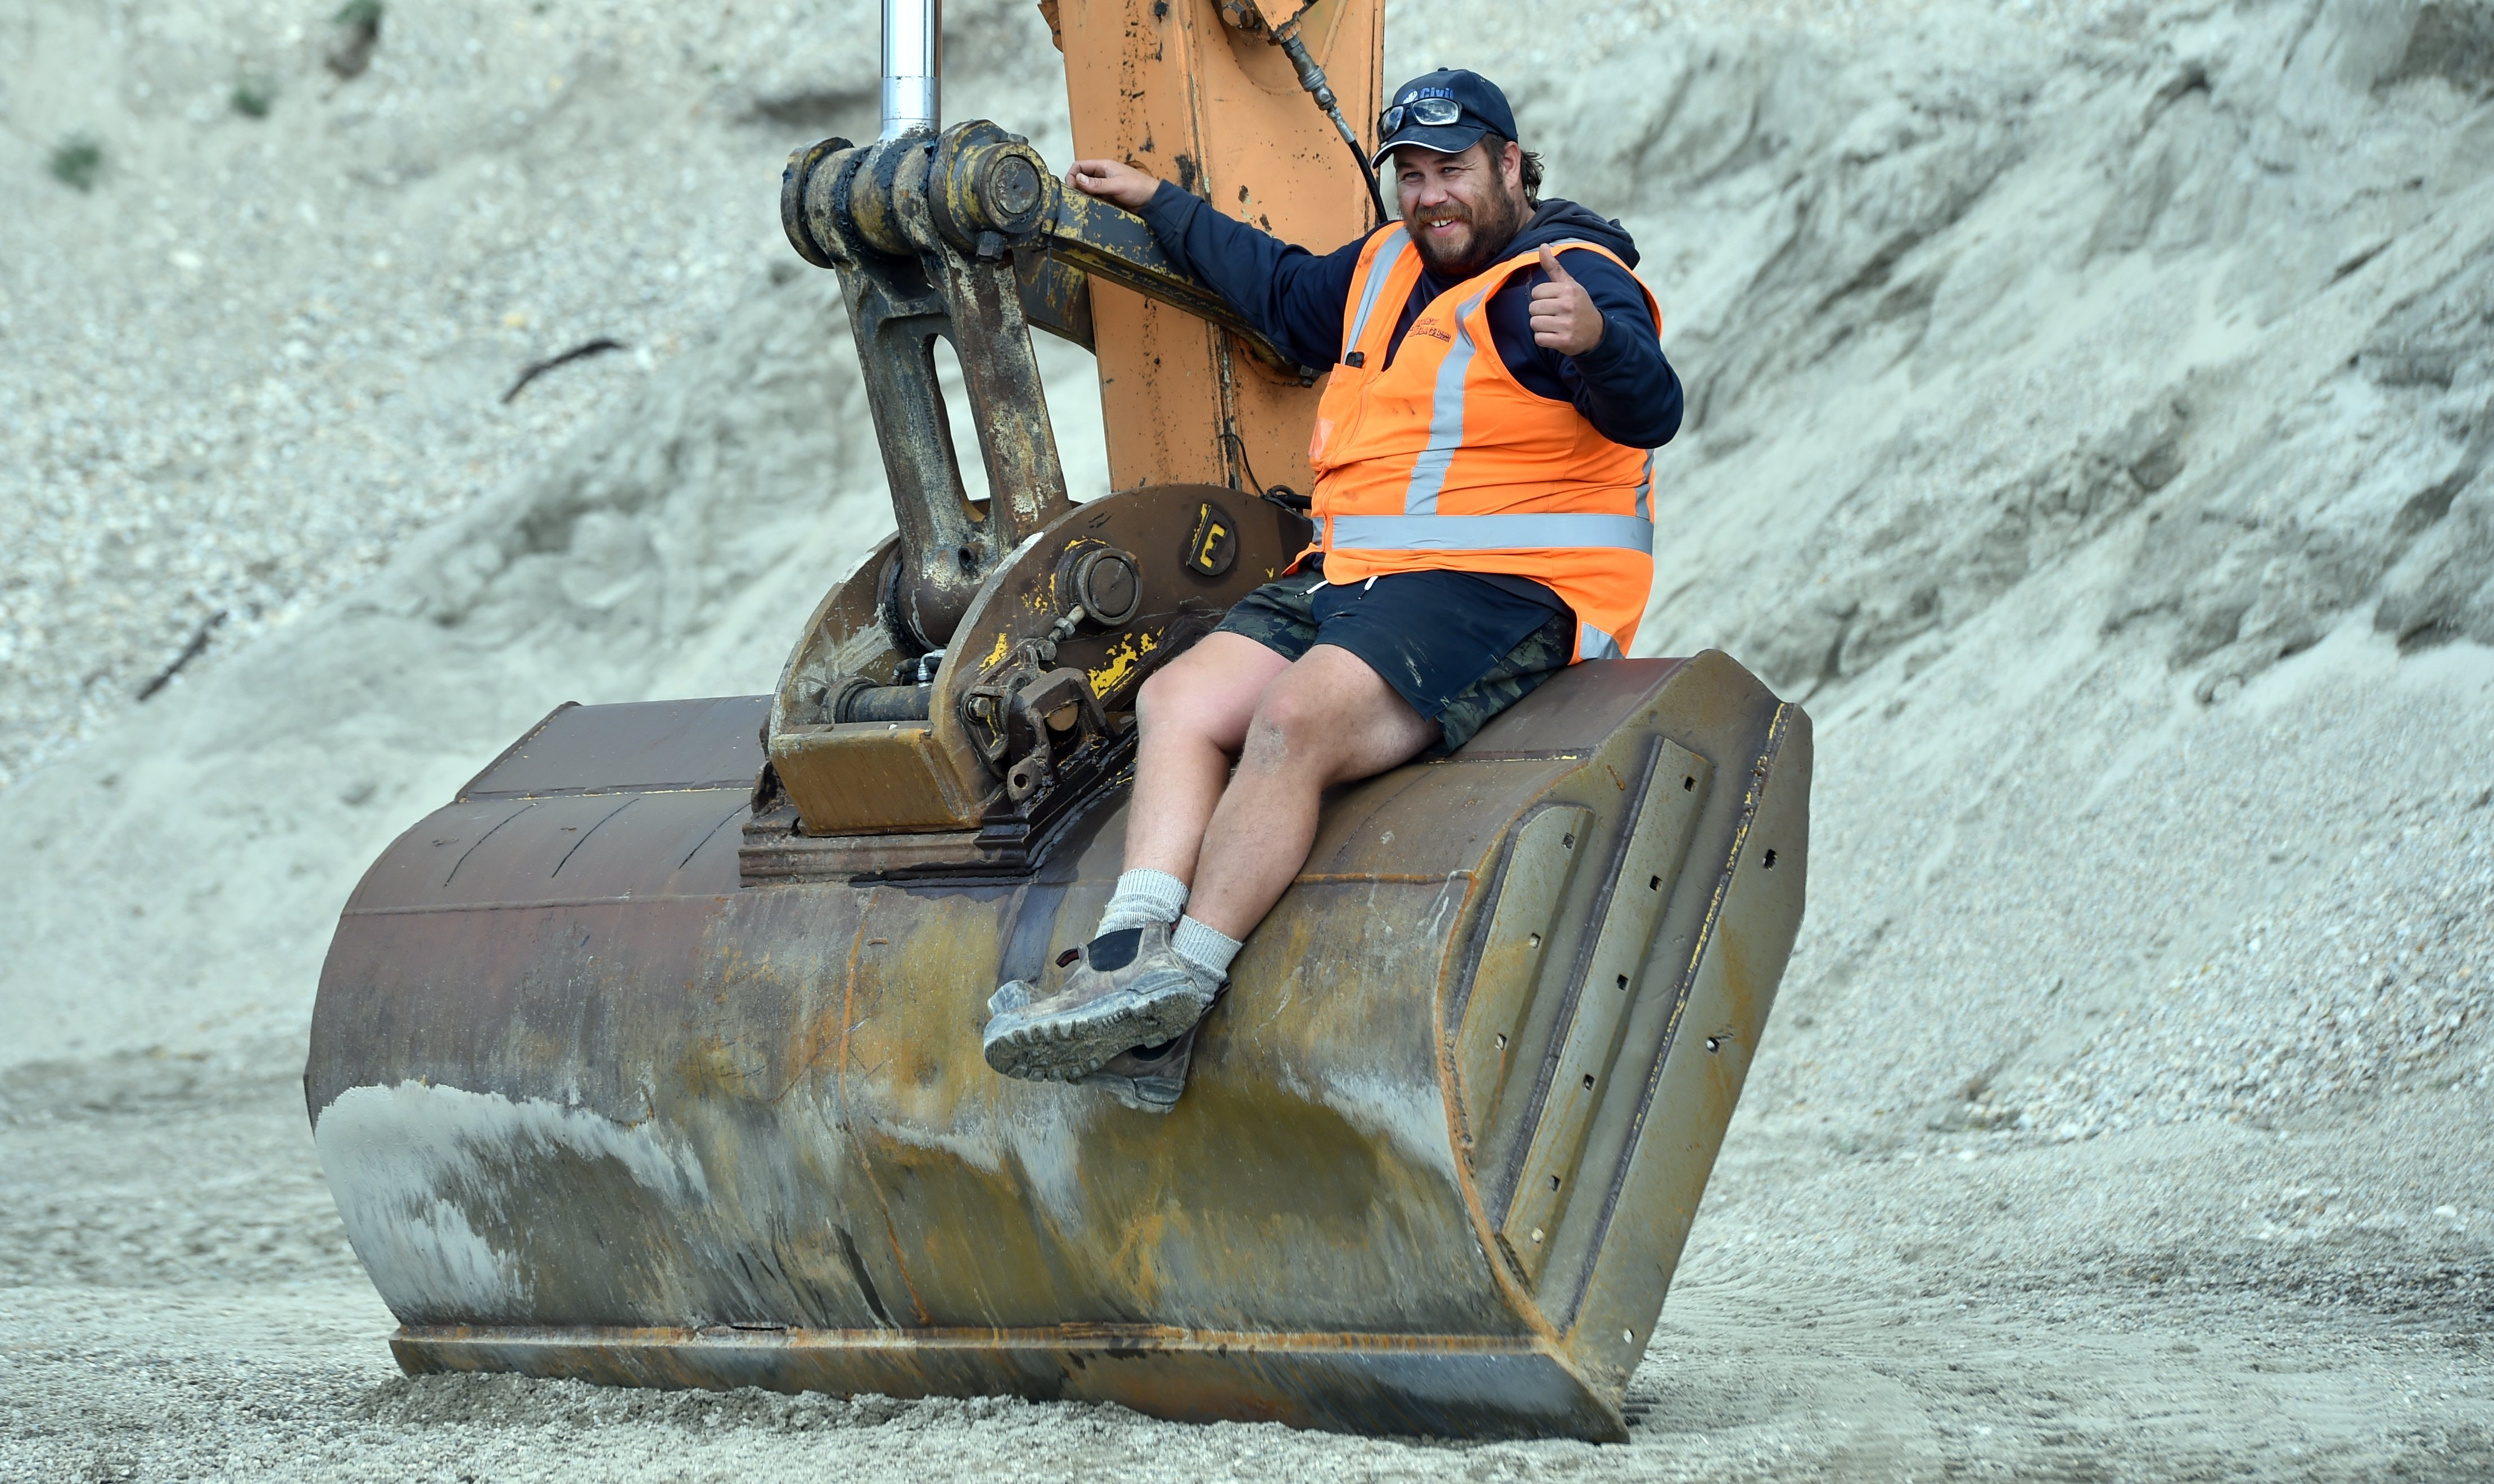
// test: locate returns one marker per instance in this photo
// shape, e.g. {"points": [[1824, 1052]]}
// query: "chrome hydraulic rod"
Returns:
{"points": [[913, 65]]}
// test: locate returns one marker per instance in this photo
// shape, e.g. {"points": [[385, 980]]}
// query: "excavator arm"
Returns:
{"points": [[966, 235]]}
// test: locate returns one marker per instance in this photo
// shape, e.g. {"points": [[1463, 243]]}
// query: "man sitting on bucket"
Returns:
{"points": [[1483, 462]]}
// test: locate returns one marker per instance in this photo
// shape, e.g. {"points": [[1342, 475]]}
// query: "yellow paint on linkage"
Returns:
{"points": [[1128, 652]]}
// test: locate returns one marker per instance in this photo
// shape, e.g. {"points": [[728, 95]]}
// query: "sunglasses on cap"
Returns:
{"points": [[1429, 112]]}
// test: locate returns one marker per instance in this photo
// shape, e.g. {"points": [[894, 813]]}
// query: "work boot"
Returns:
{"points": [[1147, 1079], [1131, 989]]}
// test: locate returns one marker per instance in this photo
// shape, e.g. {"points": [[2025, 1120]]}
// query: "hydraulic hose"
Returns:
{"points": [[1313, 79]]}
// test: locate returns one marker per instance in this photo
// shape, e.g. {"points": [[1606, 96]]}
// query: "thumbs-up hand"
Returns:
{"points": [[1563, 317]]}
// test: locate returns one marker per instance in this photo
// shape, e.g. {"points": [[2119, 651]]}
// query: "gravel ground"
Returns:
{"points": [[2089, 419], [1864, 1314]]}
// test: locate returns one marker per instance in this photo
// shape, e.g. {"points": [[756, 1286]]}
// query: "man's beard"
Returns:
{"points": [[1492, 230]]}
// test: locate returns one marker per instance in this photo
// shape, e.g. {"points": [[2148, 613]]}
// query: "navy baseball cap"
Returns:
{"points": [[1446, 111]]}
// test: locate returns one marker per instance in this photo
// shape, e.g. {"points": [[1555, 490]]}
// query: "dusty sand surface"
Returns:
{"points": [[2090, 410]]}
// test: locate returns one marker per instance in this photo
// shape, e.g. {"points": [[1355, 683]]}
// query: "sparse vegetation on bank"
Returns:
{"points": [[77, 162]]}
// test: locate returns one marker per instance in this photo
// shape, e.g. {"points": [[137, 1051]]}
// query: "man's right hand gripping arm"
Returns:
{"points": [[1294, 296], [1117, 184]]}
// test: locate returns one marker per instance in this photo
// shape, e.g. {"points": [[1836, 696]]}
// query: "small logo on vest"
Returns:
{"points": [[1434, 331]]}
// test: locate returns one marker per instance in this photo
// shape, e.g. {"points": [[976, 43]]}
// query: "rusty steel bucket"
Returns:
{"points": [[605, 1090]]}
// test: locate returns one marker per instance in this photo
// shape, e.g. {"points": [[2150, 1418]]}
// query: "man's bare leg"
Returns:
{"points": [[1326, 719], [1194, 714]]}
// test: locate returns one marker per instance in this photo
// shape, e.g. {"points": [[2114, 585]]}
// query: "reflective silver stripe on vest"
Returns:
{"points": [[1555, 531], [1379, 268], [1593, 644], [1447, 400], [1445, 418]]}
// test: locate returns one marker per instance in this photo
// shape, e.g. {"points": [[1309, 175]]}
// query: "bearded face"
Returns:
{"points": [[1460, 210]]}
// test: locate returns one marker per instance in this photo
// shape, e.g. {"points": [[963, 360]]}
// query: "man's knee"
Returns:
{"points": [[1209, 690], [1333, 719], [1289, 727], [1179, 692], [1163, 694]]}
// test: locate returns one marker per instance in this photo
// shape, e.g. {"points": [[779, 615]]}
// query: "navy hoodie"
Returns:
{"points": [[1622, 385]]}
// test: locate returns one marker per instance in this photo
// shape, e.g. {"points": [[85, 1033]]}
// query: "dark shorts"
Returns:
{"points": [[1458, 648]]}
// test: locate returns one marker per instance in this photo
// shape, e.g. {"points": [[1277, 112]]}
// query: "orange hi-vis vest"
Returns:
{"points": [[1443, 462]]}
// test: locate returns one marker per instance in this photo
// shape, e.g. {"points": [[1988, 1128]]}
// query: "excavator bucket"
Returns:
{"points": [[652, 1058], [603, 1093]]}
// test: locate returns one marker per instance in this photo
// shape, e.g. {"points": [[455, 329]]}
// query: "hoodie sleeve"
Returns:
{"points": [[1623, 385], [1290, 293]]}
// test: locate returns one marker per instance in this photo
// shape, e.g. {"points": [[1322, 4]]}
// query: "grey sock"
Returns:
{"points": [[1206, 949], [1144, 897]]}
